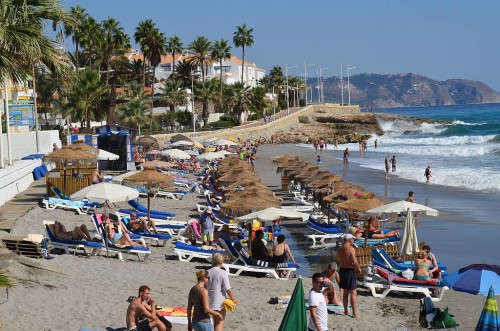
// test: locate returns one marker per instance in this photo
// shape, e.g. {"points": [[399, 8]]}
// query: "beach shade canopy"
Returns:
{"points": [[119, 179], [295, 317], [233, 177], [324, 181], [192, 153], [66, 154], [157, 164], [106, 191], [210, 156], [349, 192], [475, 279], [223, 142], [241, 205], [147, 177], [307, 172], [176, 154], [244, 184], [251, 192], [179, 137], [401, 207], [105, 155], [489, 317], [409, 242], [181, 143], [224, 152], [360, 204], [281, 159], [272, 213], [80, 145]]}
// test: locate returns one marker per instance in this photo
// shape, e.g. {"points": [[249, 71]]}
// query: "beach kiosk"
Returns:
{"points": [[115, 139]]}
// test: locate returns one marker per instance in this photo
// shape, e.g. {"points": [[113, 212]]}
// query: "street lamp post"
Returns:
{"points": [[342, 82], [305, 76], [349, 85], [192, 104], [322, 96], [286, 79]]}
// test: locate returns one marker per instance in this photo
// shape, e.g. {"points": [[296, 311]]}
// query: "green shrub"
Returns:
{"points": [[184, 118], [232, 118], [304, 119], [283, 104], [302, 102], [221, 124]]}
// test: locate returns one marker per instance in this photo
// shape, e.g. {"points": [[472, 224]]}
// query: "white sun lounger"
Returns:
{"points": [[78, 206], [243, 263], [373, 281], [299, 208]]}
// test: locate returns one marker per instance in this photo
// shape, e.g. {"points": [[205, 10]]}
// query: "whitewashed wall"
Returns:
{"points": [[25, 143]]}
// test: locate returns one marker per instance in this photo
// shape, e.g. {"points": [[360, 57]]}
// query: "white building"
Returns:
{"points": [[231, 69]]}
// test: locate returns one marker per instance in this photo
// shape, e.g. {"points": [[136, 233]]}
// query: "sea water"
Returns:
{"points": [[462, 154]]}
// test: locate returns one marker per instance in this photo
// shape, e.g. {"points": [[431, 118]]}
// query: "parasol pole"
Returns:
{"points": [[64, 173], [366, 233], [149, 202]]}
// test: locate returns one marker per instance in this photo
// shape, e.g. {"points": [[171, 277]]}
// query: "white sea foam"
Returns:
{"points": [[443, 150], [465, 123], [400, 126], [444, 141]]}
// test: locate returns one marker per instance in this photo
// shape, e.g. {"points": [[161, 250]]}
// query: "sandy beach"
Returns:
{"points": [[91, 292]]}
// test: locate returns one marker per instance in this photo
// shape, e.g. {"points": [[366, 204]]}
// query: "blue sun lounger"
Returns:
{"points": [[136, 205], [154, 237], [76, 245], [187, 252]]}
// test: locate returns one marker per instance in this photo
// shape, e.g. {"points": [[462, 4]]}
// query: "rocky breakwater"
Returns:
{"points": [[345, 128]]}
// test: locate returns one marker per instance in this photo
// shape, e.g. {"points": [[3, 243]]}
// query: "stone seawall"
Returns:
{"points": [[253, 131]]}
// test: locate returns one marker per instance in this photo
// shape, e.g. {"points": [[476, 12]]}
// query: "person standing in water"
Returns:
{"points": [[393, 162], [387, 166], [346, 158], [428, 173], [376, 143]]}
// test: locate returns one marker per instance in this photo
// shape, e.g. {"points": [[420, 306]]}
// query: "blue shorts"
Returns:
{"points": [[116, 237], [202, 326]]}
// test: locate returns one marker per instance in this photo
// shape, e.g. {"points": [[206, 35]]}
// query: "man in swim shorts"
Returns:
{"points": [[141, 313], [346, 259], [206, 221]]}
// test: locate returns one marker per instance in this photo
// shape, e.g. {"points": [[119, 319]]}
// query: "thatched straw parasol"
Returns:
{"points": [[246, 183], [292, 164], [234, 168], [234, 177], [67, 155], [246, 204], [324, 181], [282, 159], [157, 164], [306, 172], [147, 177], [361, 204], [80, 145], [251, 191]]}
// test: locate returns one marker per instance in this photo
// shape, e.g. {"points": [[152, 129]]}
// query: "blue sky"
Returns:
{"points": [[440, 39]]}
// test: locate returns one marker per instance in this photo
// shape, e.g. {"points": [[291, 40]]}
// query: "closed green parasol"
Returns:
{"points": [[295, 318]]}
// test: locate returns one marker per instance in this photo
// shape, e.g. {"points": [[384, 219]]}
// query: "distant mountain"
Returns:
{"points": [[406, 90]]}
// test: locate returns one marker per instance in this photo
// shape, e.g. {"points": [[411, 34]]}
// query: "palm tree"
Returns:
{"points": [[239, 97], [46, 86], [243, 37], [134, 112], [84, 96], [155, 49], [221, 51], [142, 31], [184, 73], [90, 36], [258, 100], [22, 40], [201, 46], [173, 94], [73, 28], [205, 92], [174, 46], [135, 71]]}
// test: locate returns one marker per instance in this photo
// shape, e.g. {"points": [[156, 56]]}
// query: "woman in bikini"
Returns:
{"points": [[118, 238], [423, 266]]}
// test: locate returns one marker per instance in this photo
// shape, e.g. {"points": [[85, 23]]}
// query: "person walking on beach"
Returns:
{"points": [[318, 320], [206, 222], [142, 311], [198, 309], [376, 143], [393, 163], [318, 160], [218, 289], [321, 145], [387, 166], [315, 145], [346, 260], [346, 158], [427, 173], [336, 144]]}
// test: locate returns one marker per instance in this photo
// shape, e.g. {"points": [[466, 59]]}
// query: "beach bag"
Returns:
{"points": [[408, 274], [443, 320], [427, 312]]}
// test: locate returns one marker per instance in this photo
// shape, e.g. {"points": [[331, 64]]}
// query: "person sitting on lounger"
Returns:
{"points": [[97, 177], [435, 272], [423, 266], [375, 231], [79, 232], [259, 250], [114, 236], [214, 200], [281, 253], [357, 232], [142, 224]]}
